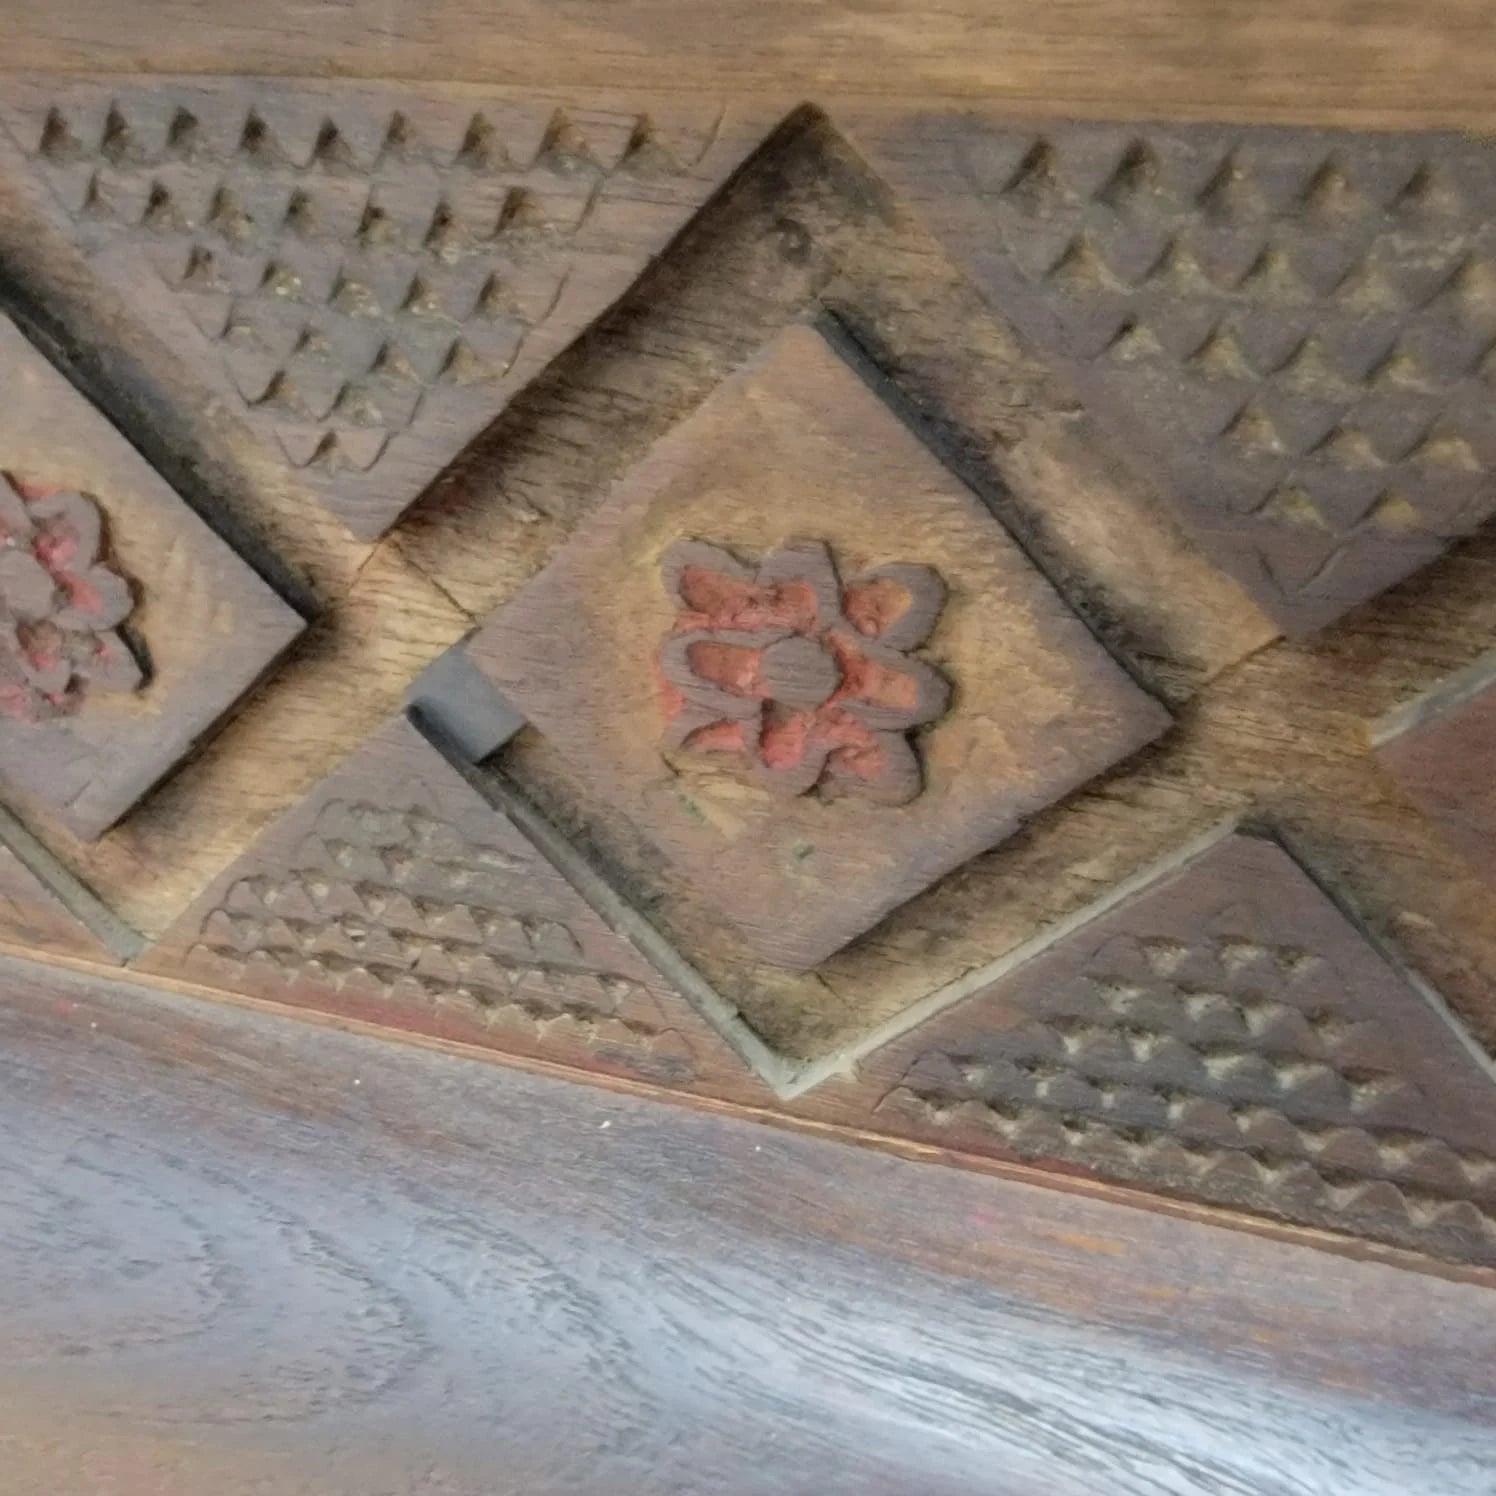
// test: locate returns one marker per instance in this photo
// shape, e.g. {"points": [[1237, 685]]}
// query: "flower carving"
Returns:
{"points": [[808, 678], [60, 605]]}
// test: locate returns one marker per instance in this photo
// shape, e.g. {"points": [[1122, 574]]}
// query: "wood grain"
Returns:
{"points": [[1441, 748], [1341, 60], [251, 1257], [206, 626]]}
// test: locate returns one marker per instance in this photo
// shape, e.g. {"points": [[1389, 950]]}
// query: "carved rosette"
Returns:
{"points": [[809, 679], [60, 606]]}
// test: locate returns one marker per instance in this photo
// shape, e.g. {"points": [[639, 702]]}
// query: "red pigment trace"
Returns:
{"points": [[719, 602], [734, 667], [871, 607], [866, 680], [55, 549]]}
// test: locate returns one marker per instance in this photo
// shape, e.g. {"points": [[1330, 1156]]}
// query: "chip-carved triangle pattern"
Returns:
{"points": [[1294, 331], [369, 275], [395, 893], [1228, 1034]]}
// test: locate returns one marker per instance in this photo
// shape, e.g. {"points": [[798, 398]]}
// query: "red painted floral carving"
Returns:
{"points": [[808, 678], [60, 605]]}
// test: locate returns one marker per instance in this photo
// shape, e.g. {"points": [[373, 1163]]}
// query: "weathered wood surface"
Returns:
{"points": [[1395, 61], [796, 463], [247, 1256], [194, 627], [1223, 1032], [1441, 748]]}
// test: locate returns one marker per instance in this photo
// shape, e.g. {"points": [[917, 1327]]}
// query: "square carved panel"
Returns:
{"points": [[130, 627], [807, 660]]}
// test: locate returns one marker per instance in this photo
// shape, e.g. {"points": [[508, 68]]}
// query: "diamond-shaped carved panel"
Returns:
{"points": [[397, 894], [1442, 749], [127, 627], [1293, 331], [369, 275], [806, 660], [1225, 1033]]}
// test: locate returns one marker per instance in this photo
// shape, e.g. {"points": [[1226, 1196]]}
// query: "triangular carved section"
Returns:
{"points": [[396, 894], [1253, 312], [369, 274], [1225, 1034]]}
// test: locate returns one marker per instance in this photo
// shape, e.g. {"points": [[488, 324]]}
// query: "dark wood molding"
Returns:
{"points": [[348, 1265]]}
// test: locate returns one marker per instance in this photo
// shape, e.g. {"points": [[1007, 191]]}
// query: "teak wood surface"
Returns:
{"points": [[390, 1103], [246, 1256]]}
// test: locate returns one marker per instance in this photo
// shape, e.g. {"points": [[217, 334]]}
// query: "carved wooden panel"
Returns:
{"points": [[883, 536], [368, 274], [396, 893], [1294, 327], [129, 628], [814, 726], [1223, 1032]]}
